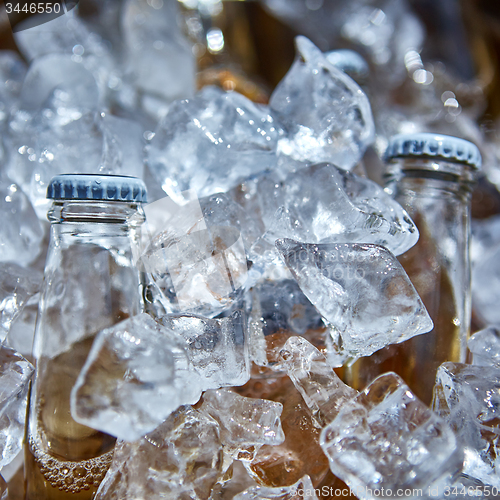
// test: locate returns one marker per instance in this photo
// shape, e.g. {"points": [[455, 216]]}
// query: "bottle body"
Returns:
{"points": [[90, 283], [436, 194]]}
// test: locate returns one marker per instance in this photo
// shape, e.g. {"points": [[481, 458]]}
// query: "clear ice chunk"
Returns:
{"points": [[60, 127], [134, 377], [361, 290], [485, 285], [485, 347], [300, 454], [301, 489], [17, 285], [387, 439], [212, 142], [15, 374], [54, 127], [217, 348], [385, 30], [69, 36], [485, 277], [279, 309], [156, 53], [323, 204], [262, 195], [22, 329], [234, 481], [321, 388], [179, 459], [468, 397], [12, 73], [246, 424], [485, 237], [386, 41], [21, 233], [283, 306], [121, 146], [57, 81], [66, 34], [325, 113], [195, 256]]}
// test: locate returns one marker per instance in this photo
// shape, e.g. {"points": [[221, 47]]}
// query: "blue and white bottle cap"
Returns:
{"points": [[97, 187], [428, 145]]}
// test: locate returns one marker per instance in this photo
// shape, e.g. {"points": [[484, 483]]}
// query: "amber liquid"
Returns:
{"points": [[418, 359], [63, 459]]}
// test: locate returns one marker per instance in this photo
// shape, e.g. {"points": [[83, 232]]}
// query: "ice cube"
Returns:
{"points": [[12, 73], [217, 348], [284, 306], [361, 289], [22, 330], [21, 232], [179, 459], [321, 388], [280, 309], [386, 38], [385, 30], [15, 374], [17, 285], [326, 115], [485, 347], [195, 256], [468, 397], [122, 147], [300, 454], [234, 481], [485, 285], [76, 87], [261, 195], [55, 126], [460, 488], [134, 377], [387, 439], [485, 237], [212, 142], [68, 35], [323, 204], [246, 424], [60, 128], [301, 489], [157, 54]]}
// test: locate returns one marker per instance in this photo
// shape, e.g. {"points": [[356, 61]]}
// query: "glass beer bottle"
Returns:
{"points": [[90, 283], [431, 176]]}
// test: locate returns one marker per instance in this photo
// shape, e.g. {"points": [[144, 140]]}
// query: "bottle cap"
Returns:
{"points": [[437, 146], [97, 187]]}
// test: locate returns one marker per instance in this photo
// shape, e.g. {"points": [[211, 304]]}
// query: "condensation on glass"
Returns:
{"points": [[90, 283], [432, 177]]}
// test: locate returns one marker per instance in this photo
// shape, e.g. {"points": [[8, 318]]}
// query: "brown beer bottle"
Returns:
{"points": [[90, 283], [431, 176]]}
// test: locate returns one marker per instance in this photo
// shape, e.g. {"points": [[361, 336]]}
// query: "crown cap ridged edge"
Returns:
{"points": [[97, 188], [438, 146]]}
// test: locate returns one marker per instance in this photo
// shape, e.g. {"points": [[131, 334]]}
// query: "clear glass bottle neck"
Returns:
{"points": [[439, 174], [128, 214]]}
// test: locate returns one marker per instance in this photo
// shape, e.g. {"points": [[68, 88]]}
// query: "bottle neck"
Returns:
{"points": [[435, 177], [101, 212]]}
